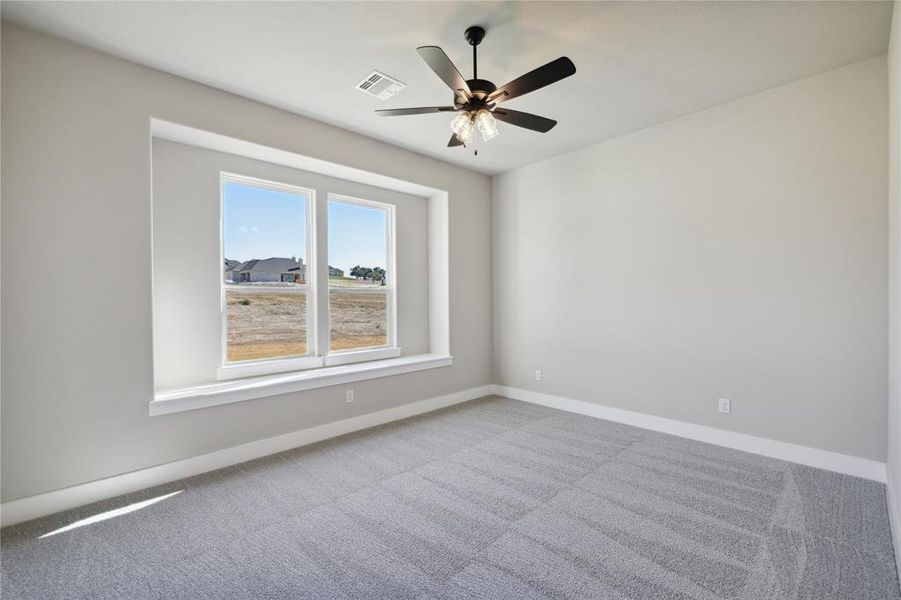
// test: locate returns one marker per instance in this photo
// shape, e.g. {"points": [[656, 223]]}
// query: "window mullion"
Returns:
{"points": [[320, 285]]}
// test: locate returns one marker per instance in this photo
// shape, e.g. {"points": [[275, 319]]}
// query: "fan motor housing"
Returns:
{"points": [[480, 88]]}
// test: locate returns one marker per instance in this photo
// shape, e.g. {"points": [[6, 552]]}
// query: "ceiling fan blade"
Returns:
{"points": [[444, 69], [397, 112], [524, 119], [454, 141], [550, 73]]}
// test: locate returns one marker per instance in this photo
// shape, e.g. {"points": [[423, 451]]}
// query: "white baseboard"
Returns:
{"points": [[822, 459], [39, 505], [894, 516]]}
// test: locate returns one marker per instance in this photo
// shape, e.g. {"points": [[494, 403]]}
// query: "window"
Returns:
{"points": [[194, 233], [266, 301], [361, 274], [269, 283]]}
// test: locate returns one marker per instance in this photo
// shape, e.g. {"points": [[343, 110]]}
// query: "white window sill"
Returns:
{"points": [[346, 357], [214, 394], [268, 367]]}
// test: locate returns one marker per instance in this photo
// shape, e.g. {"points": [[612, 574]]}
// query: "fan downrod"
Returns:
{"points": [[480, 87]]}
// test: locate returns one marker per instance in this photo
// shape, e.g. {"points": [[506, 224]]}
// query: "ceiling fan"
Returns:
{"points": [[476, 100]]}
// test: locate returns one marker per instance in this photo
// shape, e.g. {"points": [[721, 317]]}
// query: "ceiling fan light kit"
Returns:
{"points": [[476, 100], [465, 123]]}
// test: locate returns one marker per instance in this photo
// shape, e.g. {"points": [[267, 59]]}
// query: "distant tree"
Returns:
{"points": [[366, 274]]}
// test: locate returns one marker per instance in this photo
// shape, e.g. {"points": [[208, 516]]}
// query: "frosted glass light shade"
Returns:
{"points": [[487, 124], [463, 126]]}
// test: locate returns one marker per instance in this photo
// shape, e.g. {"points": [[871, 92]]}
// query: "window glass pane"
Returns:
{"points": [[357, 245], [264, 236], [265, 325], [357, 320], [264, 247]]}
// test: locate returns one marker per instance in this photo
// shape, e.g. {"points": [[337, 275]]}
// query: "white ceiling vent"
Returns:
{"points": [[380, 85]]}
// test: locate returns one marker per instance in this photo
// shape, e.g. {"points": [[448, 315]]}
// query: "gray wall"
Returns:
{"points": [[76, 346], [894, 413], [186, 272], [738, 252]]}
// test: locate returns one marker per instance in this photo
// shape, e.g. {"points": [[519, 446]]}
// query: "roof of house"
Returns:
{"points": [[231, 264], [269, 265]]}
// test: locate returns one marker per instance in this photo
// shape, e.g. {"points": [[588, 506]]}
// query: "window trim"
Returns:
{"points": [[245, 368], [390, 349]]}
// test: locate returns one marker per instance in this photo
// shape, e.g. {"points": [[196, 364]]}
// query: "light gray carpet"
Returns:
{"points": [[490, 499]]}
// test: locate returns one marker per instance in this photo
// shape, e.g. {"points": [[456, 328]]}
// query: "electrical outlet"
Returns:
{"points": [[537, 374], [725, 406], [349, 396]]}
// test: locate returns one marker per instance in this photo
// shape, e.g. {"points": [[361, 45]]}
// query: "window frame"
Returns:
{"points": [[311, 359], [390, 349], [318, 316]]}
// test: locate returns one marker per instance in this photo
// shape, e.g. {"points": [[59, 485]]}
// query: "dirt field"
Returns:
{"points": [[266, 325], [274, 325], [357, 320]]}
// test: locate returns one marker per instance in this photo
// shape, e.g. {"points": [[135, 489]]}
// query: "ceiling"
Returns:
{"points": [[638, 63]]}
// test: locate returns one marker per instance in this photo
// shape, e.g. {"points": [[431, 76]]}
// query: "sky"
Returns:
{"points": [[262, 223], [356, 236]]}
